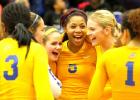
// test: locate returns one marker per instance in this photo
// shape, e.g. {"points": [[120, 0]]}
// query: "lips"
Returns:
{"points": [[78, 37], [55, 53], [93, 41]]}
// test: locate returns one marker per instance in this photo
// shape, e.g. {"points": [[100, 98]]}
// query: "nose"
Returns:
{"points": [[78, 29], [89, 33], [58, 47]]}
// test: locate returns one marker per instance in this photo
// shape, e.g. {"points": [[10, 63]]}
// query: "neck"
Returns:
{"points": [[135, 42], [107, 44], [51, 63], [73, 47]]}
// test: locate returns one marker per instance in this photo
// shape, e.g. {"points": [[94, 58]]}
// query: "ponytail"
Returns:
{"points": [[23, 36]]}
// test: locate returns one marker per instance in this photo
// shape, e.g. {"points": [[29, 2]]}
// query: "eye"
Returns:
{"points": [[73, 26], [82, 26], [60, 43], [54, 43], [92, 29]]}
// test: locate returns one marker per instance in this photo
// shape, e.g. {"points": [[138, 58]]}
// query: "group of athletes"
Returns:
{"points": [[95, 58]]}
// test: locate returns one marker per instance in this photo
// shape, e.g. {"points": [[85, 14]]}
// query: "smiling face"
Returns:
{"points": [[76, 30], [53, 45], [95, 32], [39, 32]]}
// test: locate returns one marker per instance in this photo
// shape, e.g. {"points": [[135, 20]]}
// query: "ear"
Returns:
{"points": [[125, 38], [107, 30]]}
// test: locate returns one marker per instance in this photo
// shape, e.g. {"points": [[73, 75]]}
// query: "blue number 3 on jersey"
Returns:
{"points": [[13, 66]]}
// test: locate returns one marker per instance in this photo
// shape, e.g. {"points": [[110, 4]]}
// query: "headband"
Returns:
{"points": [[71, 12], [36, 17]]}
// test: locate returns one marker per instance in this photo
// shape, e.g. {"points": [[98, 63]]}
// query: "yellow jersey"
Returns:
{"points": [[20, 78], [121, 67], [107, 95], [75, 71]]}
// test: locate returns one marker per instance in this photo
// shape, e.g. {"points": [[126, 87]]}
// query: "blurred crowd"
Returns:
{"points": [[51, 10]]}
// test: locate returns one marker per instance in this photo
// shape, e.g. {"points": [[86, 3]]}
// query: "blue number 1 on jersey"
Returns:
{"points": [[129, 80], [13, 66]]}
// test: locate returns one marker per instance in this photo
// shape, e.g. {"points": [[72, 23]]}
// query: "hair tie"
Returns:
{"points": [[18, 27], [18, 24]]}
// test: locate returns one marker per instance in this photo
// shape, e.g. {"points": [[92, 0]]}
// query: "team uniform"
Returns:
{"points": [[122, 67], [107, 95], [20, 78], [55, 84], [75, 71]]}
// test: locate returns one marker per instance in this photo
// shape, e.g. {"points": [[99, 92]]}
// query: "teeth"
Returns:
{"points": [[78, 36]]}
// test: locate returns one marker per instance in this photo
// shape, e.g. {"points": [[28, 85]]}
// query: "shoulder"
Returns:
{"points": [[37, 48], [8, 42], [114, 52], [64, 46]]}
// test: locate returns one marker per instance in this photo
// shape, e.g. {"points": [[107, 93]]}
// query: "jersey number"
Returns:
{"points": [[72, 68], [129, 80], [14, 68]]}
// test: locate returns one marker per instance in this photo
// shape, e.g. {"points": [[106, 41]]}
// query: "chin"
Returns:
{"points": [[54, 59], [94, 44]]}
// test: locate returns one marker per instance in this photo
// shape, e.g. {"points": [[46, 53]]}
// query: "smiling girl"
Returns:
{"points": [[77, 60]]}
